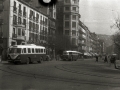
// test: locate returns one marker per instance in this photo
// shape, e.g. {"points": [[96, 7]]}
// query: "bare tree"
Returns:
{"points": [[116, 36]]}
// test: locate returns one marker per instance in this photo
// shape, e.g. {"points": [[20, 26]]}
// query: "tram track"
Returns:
{"points": [[64, 79]]}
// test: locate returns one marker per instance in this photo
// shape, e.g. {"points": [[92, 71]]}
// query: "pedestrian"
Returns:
{"points": [[106, 59], [113, 60], [96, 58], [57, 57]]}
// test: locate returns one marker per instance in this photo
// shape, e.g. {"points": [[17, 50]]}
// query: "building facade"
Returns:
{"points": [[22, 23], [68, 19], [82, 38]]}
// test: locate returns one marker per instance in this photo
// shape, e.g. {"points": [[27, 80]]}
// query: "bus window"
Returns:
{"points": [[29, 50], [41, 50], [33, 50], [15, 50], [44, 51], [24, 50], [36, 50], [70, 53]]}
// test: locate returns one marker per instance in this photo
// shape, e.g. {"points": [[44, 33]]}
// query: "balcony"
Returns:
{"points": [[16, 37], [20, 12], [14, 9], [20, 38], [14, 22]]}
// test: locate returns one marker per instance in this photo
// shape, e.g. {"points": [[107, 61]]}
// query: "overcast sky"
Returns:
{"points": [[99, 15]]}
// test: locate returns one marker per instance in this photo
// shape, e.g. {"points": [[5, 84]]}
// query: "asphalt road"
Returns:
{"points": [[60, 75]]}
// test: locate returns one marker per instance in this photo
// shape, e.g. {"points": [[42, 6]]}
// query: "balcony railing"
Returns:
{"points": [[20, 12], [15, 36], [14, 22], [14, 9]]}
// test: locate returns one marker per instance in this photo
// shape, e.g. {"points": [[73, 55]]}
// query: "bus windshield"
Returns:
{"points": [[15, 50]]}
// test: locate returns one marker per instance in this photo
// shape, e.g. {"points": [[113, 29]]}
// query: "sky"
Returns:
{"points": [[99, 15]]}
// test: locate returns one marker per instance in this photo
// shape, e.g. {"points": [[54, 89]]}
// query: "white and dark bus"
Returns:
{"points": [[26, 53], [70, 55]]}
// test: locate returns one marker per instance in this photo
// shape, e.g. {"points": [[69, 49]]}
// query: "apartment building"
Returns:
{"points": [[22, 23], [82, 38], [68, 19]]}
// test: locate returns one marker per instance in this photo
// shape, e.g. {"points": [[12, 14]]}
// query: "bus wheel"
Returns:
{"points": [[27, 61]]}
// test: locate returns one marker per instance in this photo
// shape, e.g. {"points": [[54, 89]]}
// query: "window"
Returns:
{"points": [[37, 17], [67, 1], [75, 1], [24, 22], [20, 11], [19, 6], [73, 33], [19, 32], [24, 50], [73, 24], [14, 4], [67, 8], [74, 9], [14, 19], [29, 50], [41, 50], [30, 25], [36, 50], [67, 17], [33, 50], [19, 20], [24, 11], [14, 7], [44, 50], [23, 32], [67, 24], [74, 17], [67, 32], [13, 30]]}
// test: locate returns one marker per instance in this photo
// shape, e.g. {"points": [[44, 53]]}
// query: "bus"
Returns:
{"points": [[70, 55], [26, 53]]}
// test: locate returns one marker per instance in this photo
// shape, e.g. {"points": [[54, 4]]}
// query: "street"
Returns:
{"points": [[60, 75]]}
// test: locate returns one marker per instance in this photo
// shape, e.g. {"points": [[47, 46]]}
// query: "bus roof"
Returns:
{"points": [[72, 51], [27, 46]]}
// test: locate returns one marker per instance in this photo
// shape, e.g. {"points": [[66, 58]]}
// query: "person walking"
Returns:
{"points": [[57, 57], [113, 60], [106, 59], [96, 58]]}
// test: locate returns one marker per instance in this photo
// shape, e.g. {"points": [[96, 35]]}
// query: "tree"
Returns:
{"points": [[116, 36]]}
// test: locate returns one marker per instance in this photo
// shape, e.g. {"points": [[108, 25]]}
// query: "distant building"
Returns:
{"points": [[68, 23], [82, 38]]}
